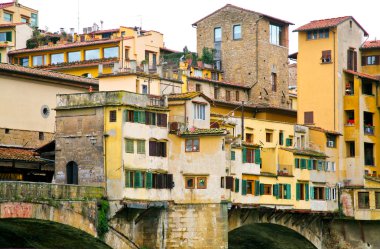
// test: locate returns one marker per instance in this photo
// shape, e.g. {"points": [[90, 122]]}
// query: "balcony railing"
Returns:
{"points": [[285, 170], [369, 130], [369, 161]]}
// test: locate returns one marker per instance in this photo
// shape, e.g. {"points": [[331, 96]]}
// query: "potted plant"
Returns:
{"points": [[200, 63], [189, 58]]}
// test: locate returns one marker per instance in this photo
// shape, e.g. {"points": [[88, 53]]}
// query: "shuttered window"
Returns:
{"points": [[140, 146], [289, 142], [257, 188], [233, 156], [157, 149], [139, 117], [309, 117], [129, 116], [129, 146], [296, 163], [162, 120], [149, 180], [244, 187], [326, 56], [303, 163], [237, 185], [150, 118], [112, 116], [229, 182], [251, 156]]}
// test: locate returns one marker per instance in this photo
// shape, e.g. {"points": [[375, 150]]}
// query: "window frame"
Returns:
{"points": [[140, 146], [276, 29], [326, 57], [129, 150], [5, 13], [112, 116], [192, 144], [218, 28], [186, 182], [363, 205], [199, 111], [234, 34], [199, 179], [91, 50], [111, 48], [57, 54]]}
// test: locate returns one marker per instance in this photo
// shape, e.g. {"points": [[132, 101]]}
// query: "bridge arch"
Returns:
{"points": [[307, 225]]}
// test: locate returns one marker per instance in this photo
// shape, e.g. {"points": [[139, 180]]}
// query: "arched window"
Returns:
{"points": [[72, 173]]}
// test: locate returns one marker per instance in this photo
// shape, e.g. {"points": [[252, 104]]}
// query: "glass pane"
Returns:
{"points": [[217, 34], [189, 145], [7, 17], [34, 20], [73, 56], [57, 58], [377, 197], [190, 183], [37, 60], [111, 52], [237, 32], [92, 54], [201, 182], [24, 62], [196, 145], [3, 36]]}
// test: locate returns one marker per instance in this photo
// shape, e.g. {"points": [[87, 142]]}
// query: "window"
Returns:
{"points": [[41, 136], [274, 81], [251, 156], [129, 146], [363, 200], [106, 35], [275, 34], [228, 95], [215, 76], [350, 88], [367, 87], [237, 32], [233, 156], [217, 34], [377, 200], [7, 131], [350, 148], [237, 96], [5, 36], [111, 52], [38, 60], [34, 20], [144, 89], [198, 87], [24, 19], [24, 61], [157, 149], [72, 173], [216, 93], [370, 60], [249, 137], [326, 56], [198, 73], [249, 187], [302, 191], [150, 118], [284, 191], [309, 117], [289, 142], [113, 116], [73, 56], [333, 194], [368, 154], [267, 189], [352, 59], [162, 120], [331, 141], [201, 182], [317, 193], [350, 117], [199, 111], [8, 17], [190, 182], [323, 33], [149, 180], [140, 146], [269, 137], [57, 58], [317, 34], [192, 145], [92, 54], [281, 138]]}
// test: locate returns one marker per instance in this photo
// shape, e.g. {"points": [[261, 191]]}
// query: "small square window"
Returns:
{"points": [[363, 200], [326, 56], [198, 87], [201, 182], [269, 137], [41, 136], [113, 116], [192, 145], [140, 146], [190, 182], [129, 146], [237, 32], [7, 131]]}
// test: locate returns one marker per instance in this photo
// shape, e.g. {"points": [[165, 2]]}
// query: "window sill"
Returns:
{"points": [[322, 63], [237, 39], [277, 45]]}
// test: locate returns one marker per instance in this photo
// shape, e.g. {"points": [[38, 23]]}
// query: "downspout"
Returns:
{"points": [[334, 107]]}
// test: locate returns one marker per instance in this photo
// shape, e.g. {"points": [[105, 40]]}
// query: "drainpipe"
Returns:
{"points": [[105, 150], [242, 121], [334, 108]]}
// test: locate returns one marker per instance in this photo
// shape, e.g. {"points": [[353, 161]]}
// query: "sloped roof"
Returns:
{"points": [[18, 154], [225, 83], [5, 5], [10, 68], [203, 132], [324, 130], [187, 96], [327, 23], [362, 75], [239, 8], [371, 44], [305, 152]]}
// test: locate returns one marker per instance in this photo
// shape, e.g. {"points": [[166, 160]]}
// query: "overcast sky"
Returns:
{"points": [[173, 18]]}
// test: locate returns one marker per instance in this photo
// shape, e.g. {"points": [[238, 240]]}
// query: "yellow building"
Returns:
{"points": [[13, 12], [96, 52]]}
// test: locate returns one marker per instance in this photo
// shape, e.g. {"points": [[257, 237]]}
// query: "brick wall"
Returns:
{"points": [[23, 138]]}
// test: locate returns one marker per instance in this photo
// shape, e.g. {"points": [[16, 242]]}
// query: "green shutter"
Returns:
{"points": [[149, 179], [309, 164], [257, 156], [244, 187], [307, 191], [327, 194], [320, 165], [281, 138], [236, 185], [275, 190], [261, 188], [296, 163], [311, 193], [138, 182], [233, 155], [135, 116], [303, 163], [9, 36], [0, 57], [257, 188], [298, 191], [244, 151], [288, 142], [129, 146], [288, 191], [127, 179], [142, 117]]}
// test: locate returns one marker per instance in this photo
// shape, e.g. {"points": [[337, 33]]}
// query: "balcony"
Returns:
{"points": [[369, 130], [285, 170]]}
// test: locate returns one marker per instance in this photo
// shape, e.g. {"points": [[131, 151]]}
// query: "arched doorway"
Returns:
{"points": [[72, 173]]}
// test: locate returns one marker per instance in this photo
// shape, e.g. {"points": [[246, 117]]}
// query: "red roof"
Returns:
{"points": [[84, 82], [362, 75], [64, 46], [371, 44], [232, 84], [239, 8], [5, 25], [4, 5], [327, 23], [19, 154], [105, 31]]}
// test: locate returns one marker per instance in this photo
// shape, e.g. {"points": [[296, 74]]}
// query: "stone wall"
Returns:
{"points": [[79, 138], [251, 59], [293, 74], [24, 138]]}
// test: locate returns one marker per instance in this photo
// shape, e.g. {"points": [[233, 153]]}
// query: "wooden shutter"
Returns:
{"points": [[229, 182], [327, 194], [127, 179], [364, 60], [164, 120], [160, 181], [135, 116], [349, 60], [244, 151], [147, 118], [257, 188], [237, 185], [355, 61], [233, 155], [152, 148], [154, 180], [257, 156], [309, 117], [288, 142], [149, 179], [296, 163], [309, 164], [303, 163], [307, 191], [243, 187], [298, 191], [261, 188], [138, 183], [288, 191], [311, 193], [169, 181], [275, 190], [163, 149], [9, 36], [377, 59]]}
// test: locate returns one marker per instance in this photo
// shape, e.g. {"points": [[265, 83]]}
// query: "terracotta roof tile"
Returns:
{"points": [[371, 44], [327, 23], [105, 31], [305, 152], [5, 5], [362, 75], [6, 25], [19, 154], [47, 74], [205, 132], [187, 96], [324, 130], [239, 8], [64, 46], [226, 83]]}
